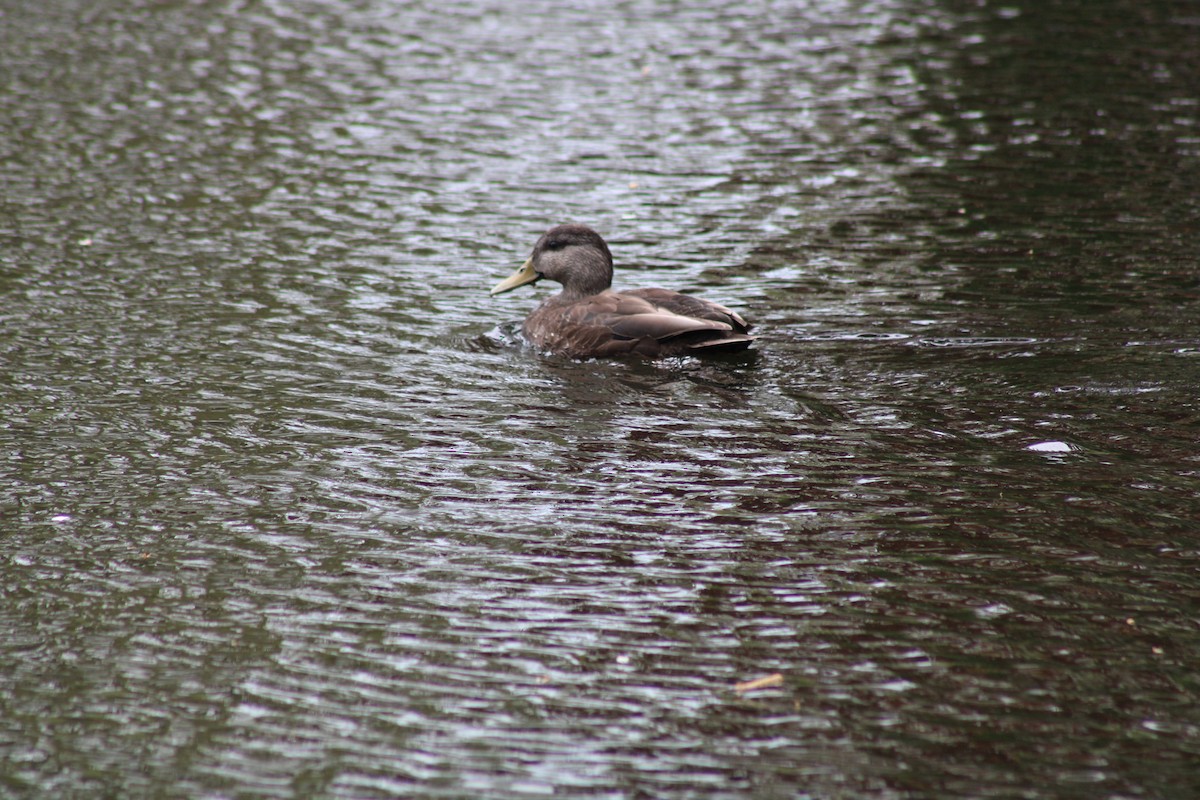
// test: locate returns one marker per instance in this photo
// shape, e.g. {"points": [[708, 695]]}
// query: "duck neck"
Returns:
{"points": [[590, 274]]}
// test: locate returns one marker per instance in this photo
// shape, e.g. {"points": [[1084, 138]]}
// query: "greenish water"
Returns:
{"points": [[289, 511]]}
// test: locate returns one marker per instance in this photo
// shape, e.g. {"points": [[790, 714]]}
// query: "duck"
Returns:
{"points": [[587, 319]]}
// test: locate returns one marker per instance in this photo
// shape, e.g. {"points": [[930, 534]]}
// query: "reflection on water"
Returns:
{"points": [[292, 512]]}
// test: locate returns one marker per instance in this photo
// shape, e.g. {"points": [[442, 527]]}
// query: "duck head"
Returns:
{"points": [[573, 255]]}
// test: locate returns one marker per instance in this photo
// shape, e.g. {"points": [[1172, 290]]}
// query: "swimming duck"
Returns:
{"points": [[587, 319]]}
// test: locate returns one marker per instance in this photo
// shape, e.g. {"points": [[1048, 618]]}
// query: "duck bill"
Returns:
{"points": [[524, 275]]}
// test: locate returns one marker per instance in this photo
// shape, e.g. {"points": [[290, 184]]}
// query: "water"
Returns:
{"points": [[289, 511]]}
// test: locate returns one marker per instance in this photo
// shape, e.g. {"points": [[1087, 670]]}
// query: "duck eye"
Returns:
{"points": [[555, 244]]}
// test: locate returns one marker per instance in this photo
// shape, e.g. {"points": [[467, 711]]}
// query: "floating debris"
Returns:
{"points": [[759, 683], [1051, 447]]}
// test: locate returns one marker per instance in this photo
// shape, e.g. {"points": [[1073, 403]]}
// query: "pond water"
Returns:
{"points": [[289, 510]]}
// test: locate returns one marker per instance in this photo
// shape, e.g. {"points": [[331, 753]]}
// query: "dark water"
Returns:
{"points": [[288, 510]]}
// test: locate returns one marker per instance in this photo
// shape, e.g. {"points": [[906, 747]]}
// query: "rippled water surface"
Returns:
{"points": [[290, 511]]}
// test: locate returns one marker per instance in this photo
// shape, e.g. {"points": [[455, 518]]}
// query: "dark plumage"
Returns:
{"points": [[587, 319]]}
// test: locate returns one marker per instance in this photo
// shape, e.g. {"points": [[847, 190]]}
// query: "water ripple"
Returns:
{"points": [[292, 511]]}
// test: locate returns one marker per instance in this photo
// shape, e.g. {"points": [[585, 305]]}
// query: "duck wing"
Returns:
{"points": [[651, 322], [689, 306]]}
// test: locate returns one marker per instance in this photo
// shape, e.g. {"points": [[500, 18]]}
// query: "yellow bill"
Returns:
{"points": [[524, 275]]}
